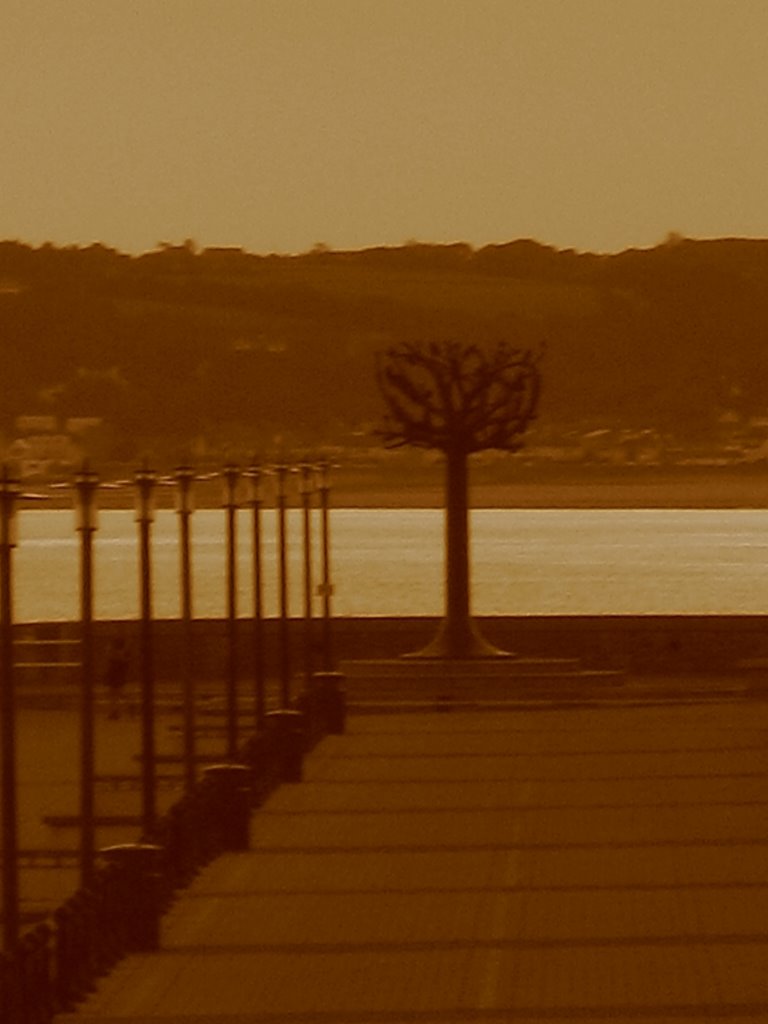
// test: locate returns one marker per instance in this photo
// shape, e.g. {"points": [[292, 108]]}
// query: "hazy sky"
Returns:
{"points": [[276, 124]]}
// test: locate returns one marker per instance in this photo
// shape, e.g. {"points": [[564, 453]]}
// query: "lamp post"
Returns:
{"points": [[231, 475], [305, 489], [255, 498], [184, 507], [145, 480], [326, 587], [9, 494], [86, 485], [284, 638]]}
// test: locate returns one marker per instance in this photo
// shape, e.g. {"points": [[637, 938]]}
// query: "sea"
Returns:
{"points": [[390, 562]]}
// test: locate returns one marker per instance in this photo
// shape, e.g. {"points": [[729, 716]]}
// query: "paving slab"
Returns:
{"points": [[603, 863]]}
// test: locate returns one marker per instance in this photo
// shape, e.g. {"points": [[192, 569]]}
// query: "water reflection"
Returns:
{"points": [[389, 562]]}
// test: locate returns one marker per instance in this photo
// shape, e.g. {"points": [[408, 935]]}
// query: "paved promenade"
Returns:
{"points": [[605, 863], [48, 743]]}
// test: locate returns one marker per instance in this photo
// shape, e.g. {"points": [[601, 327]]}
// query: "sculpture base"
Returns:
{"points": [[460, 642], [436, 650], [421, 682]]}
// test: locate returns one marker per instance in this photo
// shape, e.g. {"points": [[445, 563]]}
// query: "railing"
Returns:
{"points": [[58, 962]]}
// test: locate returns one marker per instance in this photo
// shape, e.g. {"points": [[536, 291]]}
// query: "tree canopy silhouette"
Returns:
{"points": [[458, 398], [453, 396]]}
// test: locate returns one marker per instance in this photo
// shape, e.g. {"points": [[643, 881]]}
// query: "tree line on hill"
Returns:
{"points": [[250, 351]]}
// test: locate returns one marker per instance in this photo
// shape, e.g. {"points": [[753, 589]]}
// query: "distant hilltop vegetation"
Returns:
{"points": [[246, 352]]}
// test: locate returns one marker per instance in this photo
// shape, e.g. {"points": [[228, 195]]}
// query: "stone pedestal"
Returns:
{"points": [[473, 681]]}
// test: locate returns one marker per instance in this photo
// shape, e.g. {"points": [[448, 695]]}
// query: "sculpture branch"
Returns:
{"points": [[458, 396]]}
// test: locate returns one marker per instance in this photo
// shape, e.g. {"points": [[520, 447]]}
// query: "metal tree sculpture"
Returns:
{"points": [[457, 398]]}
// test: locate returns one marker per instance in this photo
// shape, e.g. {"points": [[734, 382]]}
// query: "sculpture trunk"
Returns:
{"points": [[457, 594], [458, 636]]}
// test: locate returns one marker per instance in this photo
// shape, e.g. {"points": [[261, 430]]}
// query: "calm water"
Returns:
{"points": [[390, 562]]}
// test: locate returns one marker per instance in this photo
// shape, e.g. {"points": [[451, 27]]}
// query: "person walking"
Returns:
{"points": [[116, 675]]}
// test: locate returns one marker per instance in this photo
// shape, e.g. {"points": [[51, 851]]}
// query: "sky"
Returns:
{"points": [[275, 125]]}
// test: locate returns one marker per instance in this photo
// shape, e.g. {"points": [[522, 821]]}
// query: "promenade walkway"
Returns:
{"points": [[603, 863]]}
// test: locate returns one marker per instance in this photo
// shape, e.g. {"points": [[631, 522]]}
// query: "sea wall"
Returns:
{"points": [[638, 643]]}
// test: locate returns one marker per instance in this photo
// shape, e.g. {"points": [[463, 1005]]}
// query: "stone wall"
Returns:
{"points": [[646, 644]]}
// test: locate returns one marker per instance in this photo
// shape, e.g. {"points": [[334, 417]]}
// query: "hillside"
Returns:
{"points": [[244, 352]]}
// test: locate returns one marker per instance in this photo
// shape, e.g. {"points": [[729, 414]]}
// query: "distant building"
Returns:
{"points": [[43, 448], [79, 425], [36, 424]]}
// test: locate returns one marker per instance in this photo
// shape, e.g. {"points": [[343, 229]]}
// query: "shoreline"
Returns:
{"points": [[501, 485], [728, 487]]}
